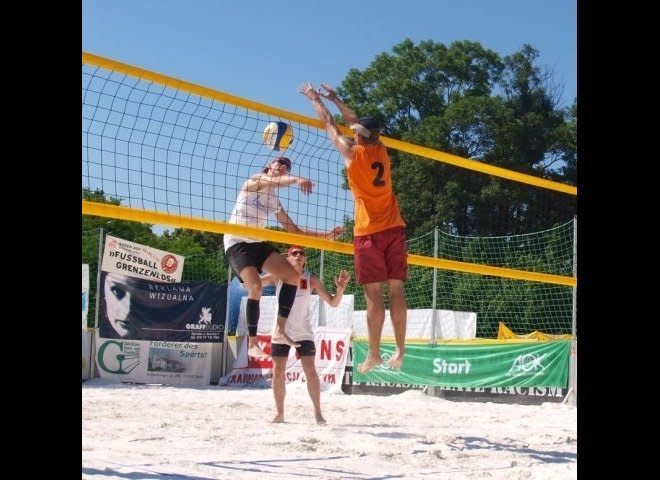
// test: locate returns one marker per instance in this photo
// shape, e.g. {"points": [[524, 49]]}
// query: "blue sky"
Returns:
{"points": [[264, 50]]}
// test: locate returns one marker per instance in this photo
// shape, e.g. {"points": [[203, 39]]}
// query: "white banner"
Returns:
{"points": [[138, 361], [136, 260], [340, 316], [85, 294], [449, 324], [332, 346]]}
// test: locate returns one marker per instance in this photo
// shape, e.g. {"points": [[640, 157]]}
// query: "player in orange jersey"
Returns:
{"points": [[379, 234]]}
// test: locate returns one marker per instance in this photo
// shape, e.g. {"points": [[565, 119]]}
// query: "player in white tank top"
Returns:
{"points": [[299, 323], [256, 202], [299, 328]]}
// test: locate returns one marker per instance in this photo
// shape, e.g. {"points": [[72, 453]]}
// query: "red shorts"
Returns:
{"points": [[381, 256]]}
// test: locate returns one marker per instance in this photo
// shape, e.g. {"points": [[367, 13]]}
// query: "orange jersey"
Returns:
{"points": [[370, 180]]}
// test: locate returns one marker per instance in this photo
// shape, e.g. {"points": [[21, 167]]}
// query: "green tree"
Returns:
{"points": [[468, 100], [132, 231], [204, 252], [209, 243]]}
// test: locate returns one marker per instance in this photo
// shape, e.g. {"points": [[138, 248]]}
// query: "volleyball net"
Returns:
{"points": [[176, 154]]}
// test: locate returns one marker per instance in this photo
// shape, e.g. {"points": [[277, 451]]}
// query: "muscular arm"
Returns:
{"points": [[290, 226], [341, 143], [261, 181], [347, 112], [331, 299]]}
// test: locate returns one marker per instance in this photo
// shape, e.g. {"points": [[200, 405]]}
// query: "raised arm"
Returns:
{"points": [[290, 226], [349, 115], [341, 281], [261, 180], [341, 143]]}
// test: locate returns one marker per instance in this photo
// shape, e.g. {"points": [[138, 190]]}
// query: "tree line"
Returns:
{"points": [[470, 101]]}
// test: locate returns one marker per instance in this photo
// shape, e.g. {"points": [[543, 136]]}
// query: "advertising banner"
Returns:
{"points": [[171, 363], [528, 364], [85, 294], [137, 309], [136, 260], [332, 347]]}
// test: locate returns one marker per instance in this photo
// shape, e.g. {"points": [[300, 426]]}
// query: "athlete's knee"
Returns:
{"points": [[254, 289], [279, 368], [373, 293]]}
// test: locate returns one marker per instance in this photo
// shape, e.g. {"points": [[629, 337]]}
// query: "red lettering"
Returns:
{"points": [[326, 349], [256, 363], [292, 376], [264, 343], [340, 349]]}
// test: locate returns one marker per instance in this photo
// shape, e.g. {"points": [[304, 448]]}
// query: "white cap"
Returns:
{"points": [[365, 132]]}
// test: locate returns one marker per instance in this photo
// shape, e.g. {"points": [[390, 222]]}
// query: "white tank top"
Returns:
{"points": [[299, 323], [252, 209]]}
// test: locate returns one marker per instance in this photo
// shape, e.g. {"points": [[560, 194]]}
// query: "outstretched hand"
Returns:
{"points": [[329, 93], [341, 280], [306, 185], [308, 90]]}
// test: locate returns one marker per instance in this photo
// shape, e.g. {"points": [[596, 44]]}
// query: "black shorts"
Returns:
{"points": [[246, 254], [306, 349]]}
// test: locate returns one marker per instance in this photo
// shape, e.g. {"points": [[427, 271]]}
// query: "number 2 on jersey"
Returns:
{"points": [[378, 179]]}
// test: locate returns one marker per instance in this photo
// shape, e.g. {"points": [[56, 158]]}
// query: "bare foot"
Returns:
{"points": [[369, 364], [255, 352], [319, 419], [279, 418], [395, 362]]}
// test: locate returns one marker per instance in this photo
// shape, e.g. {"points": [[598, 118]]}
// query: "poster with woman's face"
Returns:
{"points": [[138, 309]]}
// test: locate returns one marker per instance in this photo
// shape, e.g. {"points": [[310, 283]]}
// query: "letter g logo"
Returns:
{"points": [[114, 353]]}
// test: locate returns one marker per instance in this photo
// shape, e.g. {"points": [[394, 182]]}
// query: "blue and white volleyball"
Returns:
{"points": [[278, 135]]}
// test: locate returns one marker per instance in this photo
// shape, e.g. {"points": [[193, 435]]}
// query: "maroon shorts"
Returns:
{"points": [[381, 256]]}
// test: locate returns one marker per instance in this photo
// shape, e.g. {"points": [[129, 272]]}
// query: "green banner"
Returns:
{"points": [[538, 364]]}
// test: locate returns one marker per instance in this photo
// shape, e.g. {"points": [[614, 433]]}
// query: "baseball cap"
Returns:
{"points": [[282, 160], [365, 125]]}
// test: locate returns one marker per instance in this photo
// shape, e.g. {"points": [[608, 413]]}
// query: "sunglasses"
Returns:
{"points": [[297, 253]]}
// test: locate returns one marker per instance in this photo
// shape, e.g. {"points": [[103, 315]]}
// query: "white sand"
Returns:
{"points": [[200, 433]]}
